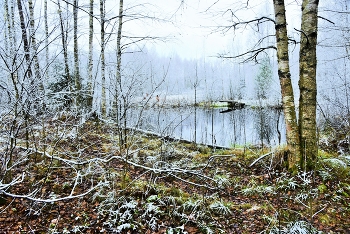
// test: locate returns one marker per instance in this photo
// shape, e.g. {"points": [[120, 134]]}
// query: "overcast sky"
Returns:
{"points": [[193, 31], [188, 28], [188, 25], [192, 24]]}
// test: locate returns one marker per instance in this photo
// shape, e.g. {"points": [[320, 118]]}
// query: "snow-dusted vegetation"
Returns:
{"points": [[107, 125]]}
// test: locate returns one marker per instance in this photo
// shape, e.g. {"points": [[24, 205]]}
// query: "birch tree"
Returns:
{"points": [[9, 55], [308, 83], [8, 28], [64, 45], [122, 134], [46, 35], [24, 38], [33, 41], [301, 133], [103, 63], [119, 37], [91, 48], [286, 82], [76, 54]]}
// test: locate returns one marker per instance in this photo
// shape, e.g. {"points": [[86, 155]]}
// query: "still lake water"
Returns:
{"points": [[210, 126]]}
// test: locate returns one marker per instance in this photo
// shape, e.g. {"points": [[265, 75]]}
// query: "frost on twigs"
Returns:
{"points": [[300, 227], [82, 181]]}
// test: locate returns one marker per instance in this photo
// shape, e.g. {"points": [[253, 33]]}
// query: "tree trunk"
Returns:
{"points": [[28, 71], [118, 109], [307, 83], [119, 37], [39, 83], [8, 31], [24, 39], [46, 38], [103, 65], [91, 48], [9, 50], [76, 54], [64, 47], [13, 24], [286, 84]]}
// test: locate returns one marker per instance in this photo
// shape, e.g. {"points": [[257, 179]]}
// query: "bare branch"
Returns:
{"points": [[211, 6], [340, 12], [261, 157], [326, 19], [252, 57], [307, 38], [172, 170], [258, 21], [29, 197]]}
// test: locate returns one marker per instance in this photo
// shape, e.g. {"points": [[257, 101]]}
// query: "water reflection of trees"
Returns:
{"points": [[267, 125], [263, 125], [209, 126], [237, 120]]}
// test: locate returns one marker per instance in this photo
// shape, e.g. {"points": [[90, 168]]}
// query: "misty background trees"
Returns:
{"points": [[76, 43], [83, 50]]}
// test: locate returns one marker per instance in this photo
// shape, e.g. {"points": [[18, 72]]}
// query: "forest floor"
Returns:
{"points": [[156, 185]]}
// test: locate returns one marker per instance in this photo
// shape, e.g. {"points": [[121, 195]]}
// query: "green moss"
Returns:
{"points": [[322, 188], [325, 219], [267, 206], [245, 206], [175, 192], [204, 150], [138, 188], [153, 144], [336, 167], [324, 154], [219, 104], [224, 152], [201, 157]]}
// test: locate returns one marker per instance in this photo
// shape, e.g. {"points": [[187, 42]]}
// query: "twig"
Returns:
{"points": [[211, 158], [326, 19], [319, 211], [307, 38], [261, 157], [192, 183], [171, 170], [50, 200]]}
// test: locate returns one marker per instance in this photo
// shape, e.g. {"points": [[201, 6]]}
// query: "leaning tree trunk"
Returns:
{"points": [[286, 84], [24, 38], [64, 47], [307, 83], [28, 71]]}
